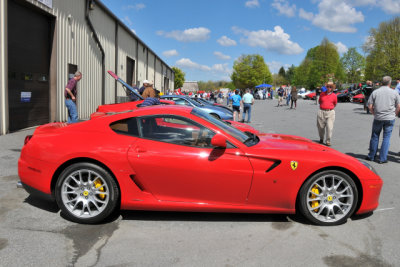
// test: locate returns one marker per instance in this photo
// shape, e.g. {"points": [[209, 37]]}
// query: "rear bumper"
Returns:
{"points": [[35, 174], [37, 193]]}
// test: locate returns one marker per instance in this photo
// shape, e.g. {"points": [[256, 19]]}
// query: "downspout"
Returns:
{"points": [[89, 5]]}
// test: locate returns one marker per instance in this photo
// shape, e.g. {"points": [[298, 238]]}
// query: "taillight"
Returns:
{"points": [[27, 138]]}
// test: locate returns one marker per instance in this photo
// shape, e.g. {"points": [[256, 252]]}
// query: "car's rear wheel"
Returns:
{"points": [[328, 198], [86, 193]]}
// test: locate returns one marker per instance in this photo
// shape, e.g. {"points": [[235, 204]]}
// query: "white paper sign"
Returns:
{"points": [[48, 3]]}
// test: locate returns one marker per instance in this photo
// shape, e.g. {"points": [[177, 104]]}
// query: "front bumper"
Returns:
{"points": [[371, 192]]}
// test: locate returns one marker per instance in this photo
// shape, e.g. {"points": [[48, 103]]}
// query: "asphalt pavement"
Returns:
{"points": [[33, 233]]}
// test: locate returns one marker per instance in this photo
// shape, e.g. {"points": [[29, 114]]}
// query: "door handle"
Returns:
{"points": [[140, 149]]}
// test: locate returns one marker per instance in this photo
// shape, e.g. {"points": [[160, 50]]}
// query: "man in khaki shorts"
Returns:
{"points": [[326, 114]]}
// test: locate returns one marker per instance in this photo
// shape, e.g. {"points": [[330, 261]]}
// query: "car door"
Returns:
{"points": [[174, 160]]}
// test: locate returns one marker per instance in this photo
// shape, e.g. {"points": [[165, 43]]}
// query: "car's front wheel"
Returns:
{"points": [[328, 198], [86, 193]]}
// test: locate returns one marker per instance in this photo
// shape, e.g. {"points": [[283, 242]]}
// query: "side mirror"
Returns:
{"points": [[218, 141]]}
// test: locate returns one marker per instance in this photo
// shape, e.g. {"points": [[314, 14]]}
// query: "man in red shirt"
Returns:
{"points": [[326, 113]]}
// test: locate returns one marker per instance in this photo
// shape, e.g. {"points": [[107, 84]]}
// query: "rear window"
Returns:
{"points": [[126, 126]]}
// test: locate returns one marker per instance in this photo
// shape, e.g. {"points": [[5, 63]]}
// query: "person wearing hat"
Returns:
{"points": [[148, 90], [326, 114], [141, 89]]}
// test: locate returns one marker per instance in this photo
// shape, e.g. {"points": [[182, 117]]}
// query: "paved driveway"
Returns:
{"points": [[32, 232]]}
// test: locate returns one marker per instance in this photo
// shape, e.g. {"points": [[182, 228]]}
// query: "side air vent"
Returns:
{"points": [[137, 182], [273, 166]]}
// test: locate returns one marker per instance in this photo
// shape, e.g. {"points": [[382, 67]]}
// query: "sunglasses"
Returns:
{"points": [[329, 86]]}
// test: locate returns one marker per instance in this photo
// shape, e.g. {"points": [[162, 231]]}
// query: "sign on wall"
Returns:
{"points": [[26, 96]]}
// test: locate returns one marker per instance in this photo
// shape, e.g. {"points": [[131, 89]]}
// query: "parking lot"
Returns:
{"points": [[32, 232]]}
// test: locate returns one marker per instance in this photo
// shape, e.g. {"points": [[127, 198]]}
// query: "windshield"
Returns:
{"points": [[197, 104], [239, 135]]}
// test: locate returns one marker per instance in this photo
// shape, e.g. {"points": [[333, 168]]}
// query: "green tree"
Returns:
{"points": [[249, 71], [290, 74], [383, 51], [282, 73], [353, 64], [278, 80], [179, 77], [301, 74], [325, 63]]}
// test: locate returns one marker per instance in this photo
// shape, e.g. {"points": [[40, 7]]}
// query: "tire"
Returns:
{"points": [[86, 193], [328, 198]]}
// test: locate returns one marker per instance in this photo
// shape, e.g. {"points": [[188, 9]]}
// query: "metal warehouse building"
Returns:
{"points": [[43, 42]]}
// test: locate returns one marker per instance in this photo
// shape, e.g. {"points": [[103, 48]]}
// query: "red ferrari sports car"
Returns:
{"points": [[359, 98], [177, 158]]}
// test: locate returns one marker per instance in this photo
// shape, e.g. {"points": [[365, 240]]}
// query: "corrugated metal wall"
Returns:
{"points": [[150, 73], [3, 59], [126, 48], [142, 63], [75, 45]]}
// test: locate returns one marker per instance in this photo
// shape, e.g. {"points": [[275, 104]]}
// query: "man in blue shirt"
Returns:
{"points": [[236, 98], [398, 86]]}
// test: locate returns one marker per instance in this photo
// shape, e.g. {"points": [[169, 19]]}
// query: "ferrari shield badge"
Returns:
{"points": [[294, 164]]}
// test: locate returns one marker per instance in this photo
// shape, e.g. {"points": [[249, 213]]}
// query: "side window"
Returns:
{"points": [[175, 130], [126, 126]]}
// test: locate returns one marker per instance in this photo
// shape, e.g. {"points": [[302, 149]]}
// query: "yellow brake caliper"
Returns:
{"points": [[99, 185], [315, 192]]}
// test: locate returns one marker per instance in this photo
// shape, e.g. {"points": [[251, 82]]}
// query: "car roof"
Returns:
{"points": [[156, 109]]}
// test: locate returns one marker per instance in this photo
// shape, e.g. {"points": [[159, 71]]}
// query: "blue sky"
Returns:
{"points": [[204, 37]]}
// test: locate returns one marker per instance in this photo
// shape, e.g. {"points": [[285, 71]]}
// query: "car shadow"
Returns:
{"points": [[207, 216], [362, 216], [390, 158], [47, 205]]}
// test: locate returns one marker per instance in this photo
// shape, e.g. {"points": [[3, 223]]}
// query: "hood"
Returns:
{"points": [[287, 142]]}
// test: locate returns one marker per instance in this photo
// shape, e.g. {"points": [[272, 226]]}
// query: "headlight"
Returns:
{"points": [[369, 167]]}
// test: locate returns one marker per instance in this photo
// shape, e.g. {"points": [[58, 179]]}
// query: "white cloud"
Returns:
{"points": [[138, 6], [337, 16], [276, 41], [221, 56], [221, 68], [216, 68], [390, 6], [252, 3], [225, 41], [274, 66], [341, 48], [127, 20], [305, 15], [187, 63], [361, 2], [170, 53], [284, 8], [189, 35]]}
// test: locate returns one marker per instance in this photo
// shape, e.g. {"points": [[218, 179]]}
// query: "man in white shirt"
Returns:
{"points": [[247, 101]]}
